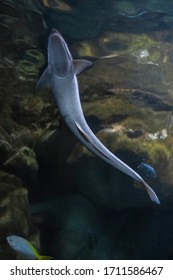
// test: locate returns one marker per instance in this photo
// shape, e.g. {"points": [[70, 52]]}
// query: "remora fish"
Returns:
{"points": [[61, 74], [25, 248]]}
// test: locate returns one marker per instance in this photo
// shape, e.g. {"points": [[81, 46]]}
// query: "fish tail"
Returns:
{"points": [[45, 257], [151, 193]]}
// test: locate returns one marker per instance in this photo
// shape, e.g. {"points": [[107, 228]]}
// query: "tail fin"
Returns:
{"points": [[151, 193], [45, 257]]}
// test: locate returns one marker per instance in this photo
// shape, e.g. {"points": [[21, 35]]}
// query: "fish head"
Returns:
{"points": [[14, 242], [59, 57]]}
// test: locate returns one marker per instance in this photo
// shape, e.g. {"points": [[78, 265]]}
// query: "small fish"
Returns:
{"points": [[147, 170], [25, 248]]}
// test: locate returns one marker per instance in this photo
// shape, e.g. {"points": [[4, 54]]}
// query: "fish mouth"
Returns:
{"points": [[54, 31], [56, 36]]}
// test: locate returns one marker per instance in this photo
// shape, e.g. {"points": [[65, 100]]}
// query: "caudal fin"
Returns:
{"points": [[45, 257], [151, 193]]}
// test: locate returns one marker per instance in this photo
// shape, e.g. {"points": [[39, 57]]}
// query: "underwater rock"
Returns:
{"points": [[31, 111], [13, 196], [153, 90], [7, 62], [5, 148], [15, 213], [23, 22], [27, 69], [30, 64], [8, 7], [23, 137], [23, 164], [8, 16], [26, 5], [144, 47], [158, 135], [28, 29]]}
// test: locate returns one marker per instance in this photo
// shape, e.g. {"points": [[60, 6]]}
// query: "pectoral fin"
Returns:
{"points": [[80, 65], [44, 80]]}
